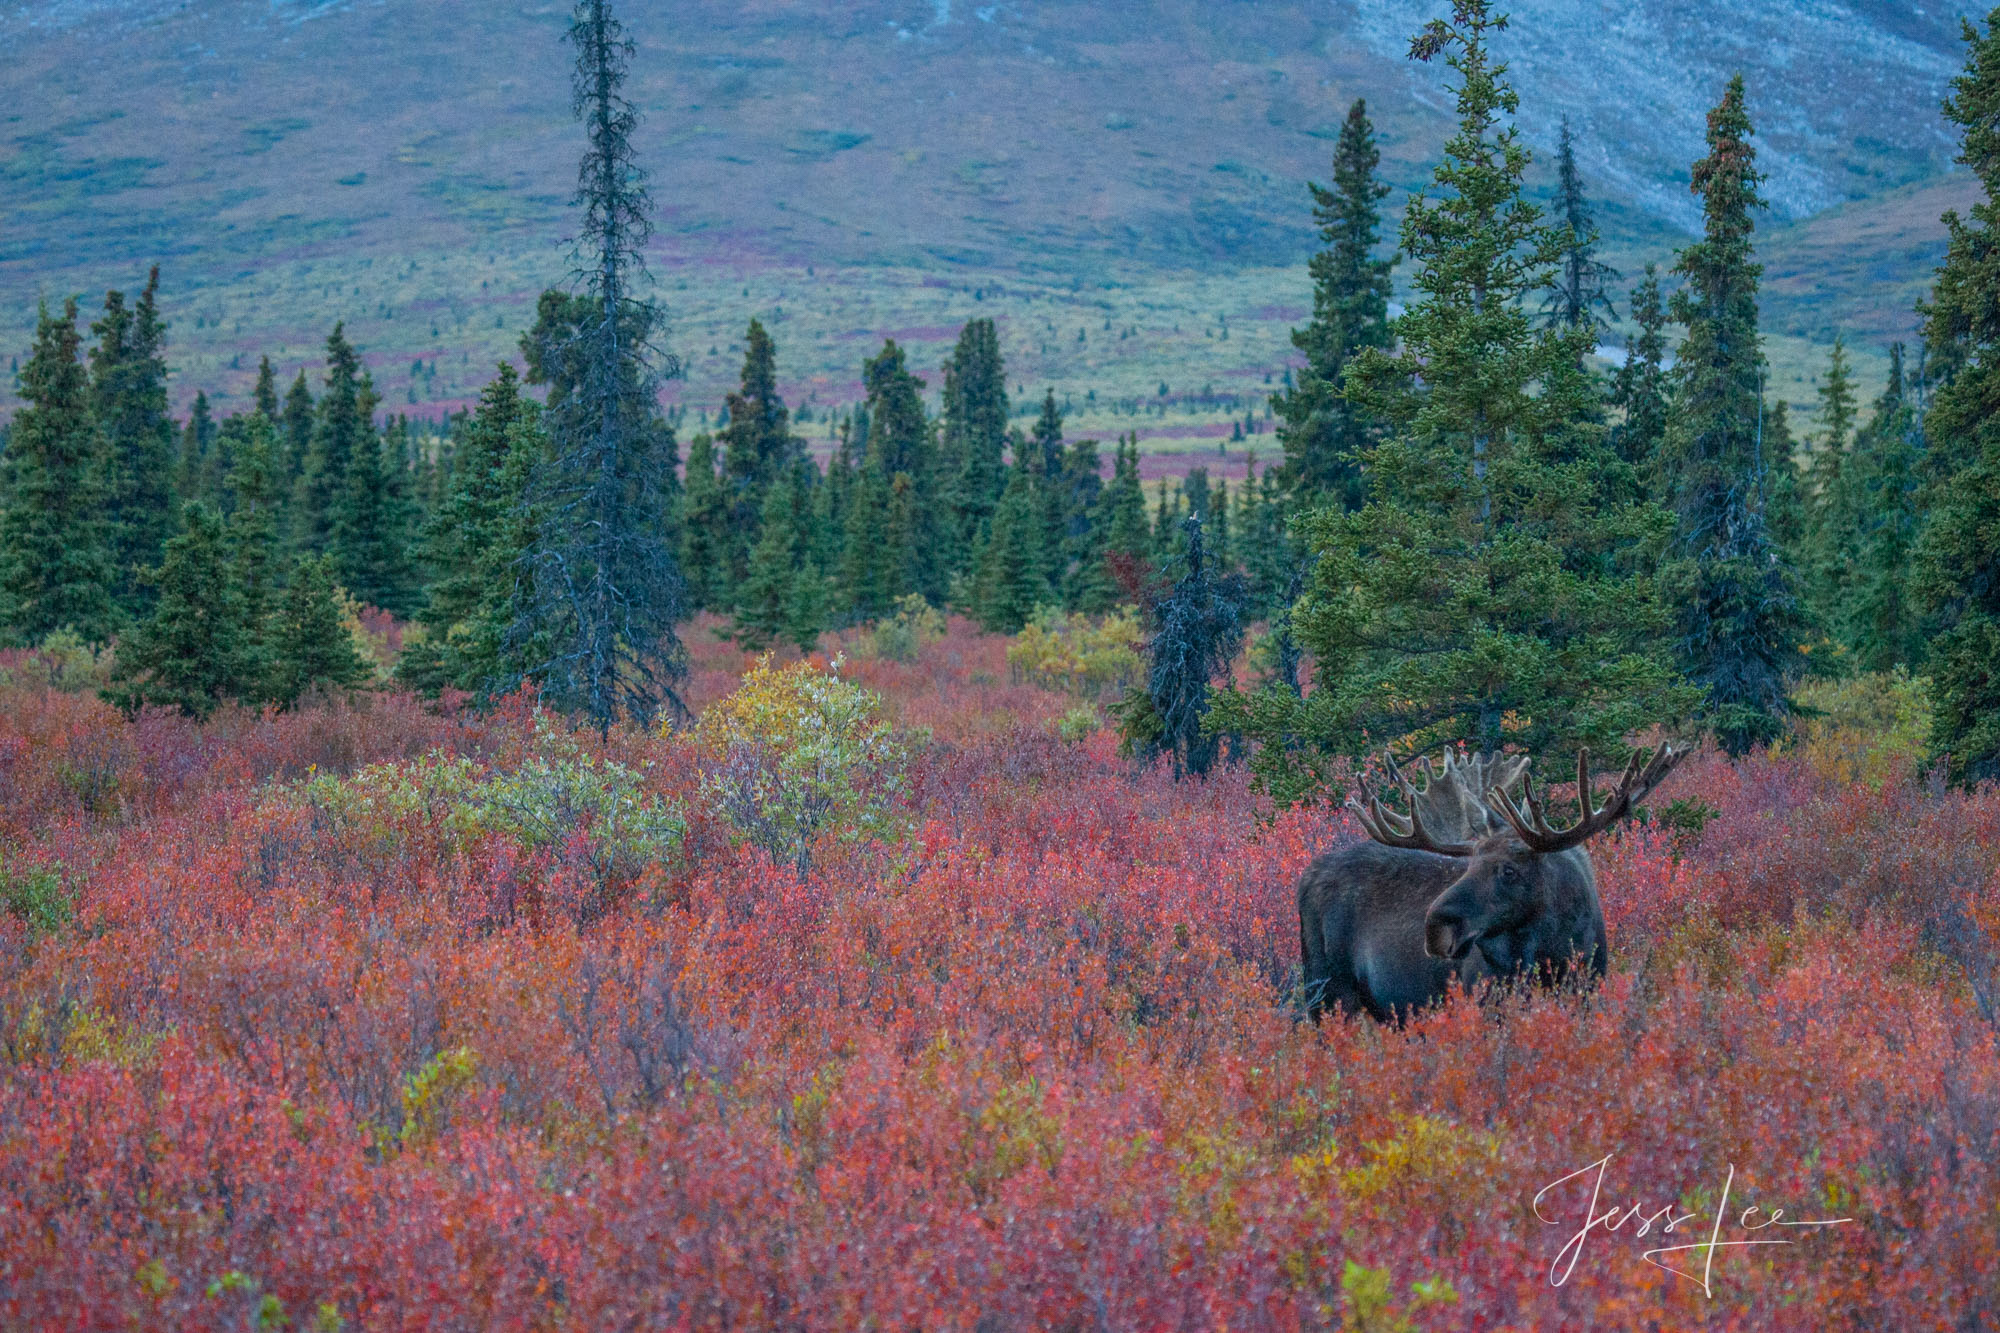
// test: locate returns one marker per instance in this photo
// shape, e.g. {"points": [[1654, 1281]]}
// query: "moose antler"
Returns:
{"points": [[1532, 827], [1393, 830]]}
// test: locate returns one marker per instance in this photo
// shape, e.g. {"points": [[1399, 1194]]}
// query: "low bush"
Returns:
{"points": [[797, 754], [1873, 728], [557, 795], [901, 636], [1092, 659]]}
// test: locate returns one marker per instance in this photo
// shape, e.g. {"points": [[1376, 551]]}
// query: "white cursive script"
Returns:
{"points": [[1611, 1218]]}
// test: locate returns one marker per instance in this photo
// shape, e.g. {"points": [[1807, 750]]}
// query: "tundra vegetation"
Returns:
{"points": [[505, 877]]}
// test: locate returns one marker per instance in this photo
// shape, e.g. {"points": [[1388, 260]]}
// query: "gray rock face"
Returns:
{"points": [[1844, 95]]}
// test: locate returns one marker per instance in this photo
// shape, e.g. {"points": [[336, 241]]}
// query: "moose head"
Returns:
{"points": [[1525, 896]]}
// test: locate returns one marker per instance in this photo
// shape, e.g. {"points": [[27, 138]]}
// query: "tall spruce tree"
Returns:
{"points": [[758, 447], [1087, 585], [193, 652], [607, 591], [57, 568], [899, 478], [1012, 576], [1324, 433], [1046, 464], [1878, 620], [1639, 388], [1957, 580], [194, 471], [974, 438], [265, 395], [1740, 625], [340, 428], [296, 418], [766, 601], [1128, 539], [375, 518], [1830, 519], [251, 534], [129, 398], [1476, 599], [1577, 298]]}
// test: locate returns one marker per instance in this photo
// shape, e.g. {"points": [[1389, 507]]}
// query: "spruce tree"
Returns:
{"points": [[312, 647], [1046, 462], [129, 400], [1127, 537], [252, 539], [296, 420], [1012, 579], [57, 568], [374, 519], [1324, 433], [472, 544], [1477, 599], [868, 567], [758, 446], [1739, 622], [341, 428], [192, 652], [765, 602], [1197, 632], [265, 395], [1087, 585], [705, 529], [1577, 297], [1639, 388], [192, 470], [1830, 517], [607, 590], [1957, 583], [899, 465], [1878, 620], [974, 438]]}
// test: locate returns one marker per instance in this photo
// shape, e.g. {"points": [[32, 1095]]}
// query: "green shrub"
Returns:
{"points": [[62, 661], [36, 895], [902, 635], [1079, 724], [539, 803], [1078, 655], [797, 753]]}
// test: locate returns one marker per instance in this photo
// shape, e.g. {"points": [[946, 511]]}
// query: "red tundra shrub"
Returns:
{"points": [[272, 1059]]}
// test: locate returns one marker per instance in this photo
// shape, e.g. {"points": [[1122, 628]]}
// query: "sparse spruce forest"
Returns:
{"points": [[585, 861]]}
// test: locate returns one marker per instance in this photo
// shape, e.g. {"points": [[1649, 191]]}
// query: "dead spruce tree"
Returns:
{"points": [[599, 589]]}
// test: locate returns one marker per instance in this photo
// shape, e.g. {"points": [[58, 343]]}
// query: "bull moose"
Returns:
{"points": [[1472, 883]]}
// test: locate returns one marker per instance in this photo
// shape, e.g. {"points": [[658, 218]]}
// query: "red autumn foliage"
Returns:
{"points": [[1040, 1067]]}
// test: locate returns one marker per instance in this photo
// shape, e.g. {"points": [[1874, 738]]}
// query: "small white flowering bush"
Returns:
{"points": [[797, 753], [540, 803]]}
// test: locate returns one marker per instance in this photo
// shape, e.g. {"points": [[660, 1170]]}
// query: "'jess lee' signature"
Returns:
{"points": [[1614, 1219]]}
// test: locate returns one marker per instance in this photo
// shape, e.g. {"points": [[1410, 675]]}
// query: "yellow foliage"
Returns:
{"points": [[796, 752], [1425, 1152], [1873, 728], [430, 1094], [1212, 1167], [1077, 655], [1014, 1132]]}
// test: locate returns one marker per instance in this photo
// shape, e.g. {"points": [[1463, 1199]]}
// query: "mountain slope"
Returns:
{"points": [[1141, 162]]}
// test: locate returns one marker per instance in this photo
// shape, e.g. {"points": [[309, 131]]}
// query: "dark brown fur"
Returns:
{"points": [[1383, 930]]}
